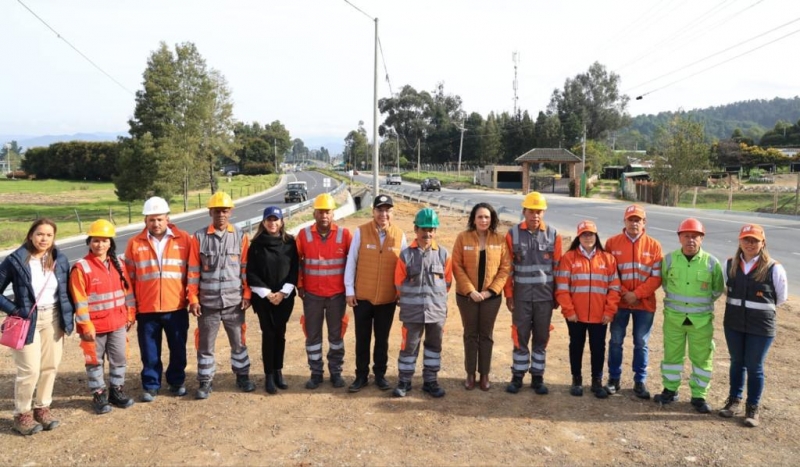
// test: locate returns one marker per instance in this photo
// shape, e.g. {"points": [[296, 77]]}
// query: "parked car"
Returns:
{"points": [[394, 179], [430, 184], [296, 192]]}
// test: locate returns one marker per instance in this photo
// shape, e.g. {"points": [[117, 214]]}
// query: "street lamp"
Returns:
{"points": [[460, 147]]}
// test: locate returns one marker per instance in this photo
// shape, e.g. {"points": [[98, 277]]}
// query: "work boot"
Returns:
{"points": [[577, 386], [314, 382], [641, 390], [433, 388], [666, 397], [45, 417], [117, 397], [598, 389], [731, 407], [204, 390], [279, 381], [25, 425], [515, 385], [537, 384], [613, 386], [701, 405], [485, 384], [100, 402], [751, 416], [403, 387], [244, 383], [382, 382], [269, 384], [149, 395], [359, 383], [337, 381], [469, 383], [177, 390]]}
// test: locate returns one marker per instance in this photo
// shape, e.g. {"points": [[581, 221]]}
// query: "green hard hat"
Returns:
{"points": [[427, 219]]}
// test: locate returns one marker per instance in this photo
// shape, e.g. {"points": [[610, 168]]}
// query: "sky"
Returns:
{"points": [[310, 63]]}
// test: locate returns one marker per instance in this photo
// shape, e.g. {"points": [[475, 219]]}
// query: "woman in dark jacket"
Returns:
{"points": [[272, 266], [40, 276]]}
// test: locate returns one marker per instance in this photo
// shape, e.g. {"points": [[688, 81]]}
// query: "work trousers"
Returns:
{"points": [[272, 320], [748, 352], [331, 310], [478, 319], [113, 345], [37, 362], [700, 338], [149, 329], [530, 319], [371, 317], [409, 351], [232, 319], [597, 347], [642, 325]]}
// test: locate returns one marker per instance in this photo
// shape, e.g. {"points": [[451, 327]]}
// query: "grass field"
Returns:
{"points": [[445, 177]]}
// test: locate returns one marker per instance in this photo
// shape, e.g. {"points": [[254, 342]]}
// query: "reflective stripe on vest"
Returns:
{"points": [[533, 268], [421, 293], [321, 267], [687, 304]]}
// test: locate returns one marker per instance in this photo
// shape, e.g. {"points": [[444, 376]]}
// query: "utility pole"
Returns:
{"points": [[375, 162], [275, 147], [460, 147], [418, 157], [583, 164], [397, 146], [515, 58]]}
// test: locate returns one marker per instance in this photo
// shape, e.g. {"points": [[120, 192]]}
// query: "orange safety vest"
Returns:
{"points": [[322, 262], [587, 287], [101, 302], [639, 266], [376, 263]]}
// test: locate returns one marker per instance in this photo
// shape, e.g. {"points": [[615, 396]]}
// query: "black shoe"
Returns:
{"points": [[360, 383], [433, 388], [149, 395], [177, 390], [204, 390], [117, 397], [641, 391], [337, 381], [403, 387], [613, 386], [100, 402], [577, 386], [382, 383], [244, 383], [700, 405], [598, 389], [279, 381], [666, 397], [269, 384], [314, 382], [537, 384], [515, 385]]}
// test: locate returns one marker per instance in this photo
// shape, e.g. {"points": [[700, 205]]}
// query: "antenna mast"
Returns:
{"points": [[515, 58]]}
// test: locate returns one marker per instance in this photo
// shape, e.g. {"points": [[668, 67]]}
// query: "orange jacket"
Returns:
{"points": [[101, 303], [322, 262], [587, 287], [466, 258], [639, 267], [159, 287]]}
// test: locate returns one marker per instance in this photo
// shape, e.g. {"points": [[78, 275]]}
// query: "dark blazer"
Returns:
{"points": [[16, 271]]}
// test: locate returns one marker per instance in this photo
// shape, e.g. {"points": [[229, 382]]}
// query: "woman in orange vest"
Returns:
{"points": [[104, 312], [588, 291]]}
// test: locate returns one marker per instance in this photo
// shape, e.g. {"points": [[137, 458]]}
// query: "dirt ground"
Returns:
{"points": [[329, 426]]}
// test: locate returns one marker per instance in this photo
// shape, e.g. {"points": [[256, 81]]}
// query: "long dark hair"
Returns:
{"points": [[492, 225], [282, 233], [48, 261], [576, 242], [112, 256]]}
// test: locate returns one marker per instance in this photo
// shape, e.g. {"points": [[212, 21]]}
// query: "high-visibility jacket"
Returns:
{"points": [[376, 264], [159, 287], [639, 267], [221, 258], [587, 287], [750, 306], [101, 302], [534, 257], [322, 261], [423, 278], [691, 287], [466, 260]]}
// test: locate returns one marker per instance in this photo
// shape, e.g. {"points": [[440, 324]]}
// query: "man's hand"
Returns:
{"points": [[510, 303], [245, 304], [194, 309], [300, 292], [574, 318], [630, 298], [87, 336], [607, 319], [129, 325], [351, 301]]}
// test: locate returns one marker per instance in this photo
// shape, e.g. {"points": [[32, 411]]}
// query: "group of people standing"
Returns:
{"points": [[217, 273]]}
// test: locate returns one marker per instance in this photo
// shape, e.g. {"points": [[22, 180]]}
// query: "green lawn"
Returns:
{"points": [[746, 202], [445, 177]]}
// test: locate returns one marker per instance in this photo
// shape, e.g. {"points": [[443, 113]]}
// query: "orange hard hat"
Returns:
{"points": [[692, 225]]}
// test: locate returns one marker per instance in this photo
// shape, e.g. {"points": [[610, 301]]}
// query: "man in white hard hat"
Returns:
{"points": [[157, 260]]}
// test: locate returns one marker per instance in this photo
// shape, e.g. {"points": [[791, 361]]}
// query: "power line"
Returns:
{"points": [[360, 10], [78, 51]]}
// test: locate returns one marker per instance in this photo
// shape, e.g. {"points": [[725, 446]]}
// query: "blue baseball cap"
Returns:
{"points": [[273, 211]]}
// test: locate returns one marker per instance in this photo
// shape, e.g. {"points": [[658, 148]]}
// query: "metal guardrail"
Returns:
{"points": [[447, 201]]}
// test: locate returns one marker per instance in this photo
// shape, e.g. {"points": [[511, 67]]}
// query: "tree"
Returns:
{"points": [[11, 154], [408, 115], [683, 155], [260, 148], [356, 148], [593, 100], [491, 146], [217, 138], [299, 150]]}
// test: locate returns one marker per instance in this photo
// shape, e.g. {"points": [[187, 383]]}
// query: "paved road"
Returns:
{"points": [[722, 227]]}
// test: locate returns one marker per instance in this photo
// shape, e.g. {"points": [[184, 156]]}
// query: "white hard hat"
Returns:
{"points": [[155, 206]]}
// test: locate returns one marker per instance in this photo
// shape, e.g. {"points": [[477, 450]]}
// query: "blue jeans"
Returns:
{"points": [[748, 352], [149, 330], [642, 324]]}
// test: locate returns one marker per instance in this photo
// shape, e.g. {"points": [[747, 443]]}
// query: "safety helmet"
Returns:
{"points": [[101, 228], [426, 218], [154, 206], [220, 199], [324, 201], [534, 200], [692, 225]]}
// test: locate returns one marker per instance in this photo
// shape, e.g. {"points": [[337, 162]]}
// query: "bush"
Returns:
{"points": [[258, 168], [20, 174]]}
